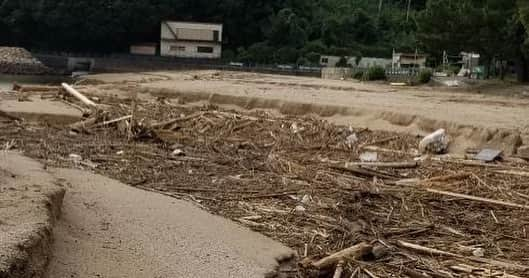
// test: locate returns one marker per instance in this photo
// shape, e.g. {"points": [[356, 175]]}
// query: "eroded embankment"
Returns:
{"points": [[463, 135], [30, 202]]}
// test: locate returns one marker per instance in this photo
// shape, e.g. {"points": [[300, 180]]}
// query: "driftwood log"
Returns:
{"points": [[354, 252], [79, 96]]}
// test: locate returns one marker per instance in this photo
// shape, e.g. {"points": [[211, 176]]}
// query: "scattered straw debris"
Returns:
{"points": [[301, 181]]}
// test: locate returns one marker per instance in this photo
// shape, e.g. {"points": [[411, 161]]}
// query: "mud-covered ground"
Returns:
{"points": [[490, 114], [300, 180]]}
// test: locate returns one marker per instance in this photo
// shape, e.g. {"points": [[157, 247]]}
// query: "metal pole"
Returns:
{"points": [[408, 11]]}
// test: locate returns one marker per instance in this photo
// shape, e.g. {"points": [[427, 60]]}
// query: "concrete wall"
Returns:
{"points": [[135, 63], [368, 62], [184, 49], [143, 49], [336, 73]]}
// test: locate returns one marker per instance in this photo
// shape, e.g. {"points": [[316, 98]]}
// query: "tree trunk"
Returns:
{"points": [[502, 70], [488, 68], [522, 69]]}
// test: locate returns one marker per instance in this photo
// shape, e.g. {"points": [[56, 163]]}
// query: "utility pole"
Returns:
{"points": [[408, 10]]}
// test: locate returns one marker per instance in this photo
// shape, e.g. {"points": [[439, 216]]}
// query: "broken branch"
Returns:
{"points": [[353, 252]]}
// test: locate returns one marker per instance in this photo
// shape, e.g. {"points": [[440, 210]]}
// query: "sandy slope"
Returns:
{"points": [[112, 230]]}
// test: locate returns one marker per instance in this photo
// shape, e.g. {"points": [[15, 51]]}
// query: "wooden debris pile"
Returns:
{"points": [[302, 181], [14, 60]]}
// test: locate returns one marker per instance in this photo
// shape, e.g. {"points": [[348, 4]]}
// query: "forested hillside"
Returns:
{"points": [[277, 31]]}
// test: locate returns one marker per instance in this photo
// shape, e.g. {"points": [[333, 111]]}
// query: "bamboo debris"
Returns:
{"points": [[174, 121], [354, 252], [35, 88], [257, 171], [385, 165], [9, 116], [339, 270], [436, 252], [365, 172], [79, 96], [120, 119], [478, 199], [513, 173]]}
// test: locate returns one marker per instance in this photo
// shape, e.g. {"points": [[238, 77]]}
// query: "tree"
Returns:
{"points": [[489, 27]]}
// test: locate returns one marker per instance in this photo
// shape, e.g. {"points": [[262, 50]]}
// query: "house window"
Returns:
{"points": [[177, 48], [324, 60], [205, 49], [216, 36]]}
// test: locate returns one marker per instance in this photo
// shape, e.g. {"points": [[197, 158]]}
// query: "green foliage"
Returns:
{"points": [[302, 61], [488, 27], [359, 75], [342, 63], [259, 31], [425, 76], [228, 55], [375, 73], [313, 57], [287, 55], [280, 31]]}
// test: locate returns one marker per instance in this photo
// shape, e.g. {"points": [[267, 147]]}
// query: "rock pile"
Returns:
{"points": [[14, 60]]}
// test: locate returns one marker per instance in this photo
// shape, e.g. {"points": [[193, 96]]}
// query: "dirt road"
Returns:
{"points": [[473, 119], [112, 230]]}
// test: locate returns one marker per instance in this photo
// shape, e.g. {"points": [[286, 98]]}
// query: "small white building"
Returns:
{"points": [[409, 60], [330, 61], [191, 40]]}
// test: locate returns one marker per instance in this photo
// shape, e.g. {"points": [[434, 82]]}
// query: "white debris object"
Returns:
{"points": [[306, 199], [436, 143], [296, 128], [300, 209], [351, 140], [369, 157], [75, 157], [178, 152], [478, 252]]}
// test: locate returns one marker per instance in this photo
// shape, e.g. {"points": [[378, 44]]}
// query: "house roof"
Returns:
{"points": [[413, 55], [193, 22]]}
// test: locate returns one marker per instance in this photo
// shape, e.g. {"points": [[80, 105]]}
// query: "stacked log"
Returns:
{"points": [[15, 60]]}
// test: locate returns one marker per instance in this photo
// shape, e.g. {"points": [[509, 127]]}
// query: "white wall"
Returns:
{"points": [[190, 49]]}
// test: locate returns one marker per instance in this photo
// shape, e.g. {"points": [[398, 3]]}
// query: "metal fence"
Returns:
{"points": [[129, 62]]}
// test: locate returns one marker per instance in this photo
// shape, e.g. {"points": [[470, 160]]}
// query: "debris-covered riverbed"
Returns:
{"points": [[317, 187]]}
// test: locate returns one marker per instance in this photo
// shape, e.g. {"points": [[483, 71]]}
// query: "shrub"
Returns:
{"points": [[358, 75], [425, 76], [302, 61], [375, 73]]}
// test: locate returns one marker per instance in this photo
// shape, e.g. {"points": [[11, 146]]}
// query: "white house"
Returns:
{"points": [[409, 60], [191, 40]]}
